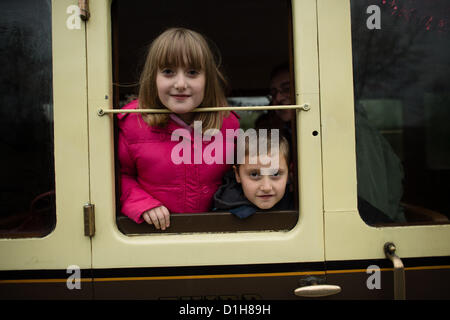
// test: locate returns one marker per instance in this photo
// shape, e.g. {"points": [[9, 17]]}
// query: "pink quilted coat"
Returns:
{"points": [[149, 177]]}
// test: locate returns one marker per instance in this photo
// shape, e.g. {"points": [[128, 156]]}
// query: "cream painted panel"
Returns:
{"points": [[113, 249], [336, 99], [66, 245], [348, 238], [306, 61]]}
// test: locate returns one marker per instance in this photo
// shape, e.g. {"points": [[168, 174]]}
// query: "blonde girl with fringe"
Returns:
{"points": [[180, 74]]}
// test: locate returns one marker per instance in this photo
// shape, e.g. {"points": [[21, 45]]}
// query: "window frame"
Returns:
{"points": [[55, 250], [112, 247], [359, 241], [206, 223]]}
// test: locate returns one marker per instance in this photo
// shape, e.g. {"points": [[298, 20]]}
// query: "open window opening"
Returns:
{"points": [[254, 39]]}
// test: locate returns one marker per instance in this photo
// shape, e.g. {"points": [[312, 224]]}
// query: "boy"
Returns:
{"points": [[254, 184]]}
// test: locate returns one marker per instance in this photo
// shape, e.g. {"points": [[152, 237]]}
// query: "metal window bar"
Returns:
{"points": [[304, 107]]}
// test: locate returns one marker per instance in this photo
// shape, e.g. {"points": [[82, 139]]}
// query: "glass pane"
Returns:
{"points": [[27, 198], [401, 66]]}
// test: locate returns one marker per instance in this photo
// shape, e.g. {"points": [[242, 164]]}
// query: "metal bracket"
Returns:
{"points": [[305, 107], [399, 271]]}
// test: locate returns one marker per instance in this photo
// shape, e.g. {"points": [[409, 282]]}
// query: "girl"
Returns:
{"points": [[180, 74]]}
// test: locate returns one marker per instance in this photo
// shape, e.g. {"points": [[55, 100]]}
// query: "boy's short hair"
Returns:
{"points": [[266, 135]]}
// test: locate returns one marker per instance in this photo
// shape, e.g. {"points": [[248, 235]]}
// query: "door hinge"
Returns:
{"points": [[89, 220], [84, 9]]}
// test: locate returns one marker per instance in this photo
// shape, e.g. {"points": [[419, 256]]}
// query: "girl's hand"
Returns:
{"points": [[159, 217]]}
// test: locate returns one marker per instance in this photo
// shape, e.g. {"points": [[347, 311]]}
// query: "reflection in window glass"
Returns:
{"points": [[401, 66], [27, 196]]}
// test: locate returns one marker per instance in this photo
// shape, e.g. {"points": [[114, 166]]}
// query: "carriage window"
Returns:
{"points": [[401, 66], [27, 198], [253, 39]]}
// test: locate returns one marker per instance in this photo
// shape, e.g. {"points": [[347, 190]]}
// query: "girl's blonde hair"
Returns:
{"points": [[180, 47]]}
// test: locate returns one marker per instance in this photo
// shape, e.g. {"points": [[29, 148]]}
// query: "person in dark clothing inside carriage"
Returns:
{"points": [[379, 170]]}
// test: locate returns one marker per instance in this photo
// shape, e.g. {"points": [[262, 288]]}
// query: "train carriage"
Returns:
{"points": [[371, 99]]}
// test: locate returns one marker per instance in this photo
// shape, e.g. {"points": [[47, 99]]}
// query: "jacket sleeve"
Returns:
{"points": [[133, 198]]}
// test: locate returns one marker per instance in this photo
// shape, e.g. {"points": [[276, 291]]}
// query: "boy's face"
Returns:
{"points": [[263, 186]]}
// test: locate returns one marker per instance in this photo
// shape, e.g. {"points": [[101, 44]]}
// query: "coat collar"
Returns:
{"points": [[181, 123]]}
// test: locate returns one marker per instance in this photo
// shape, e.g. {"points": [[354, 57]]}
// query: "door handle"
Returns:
{"points": [[317, 290], [314, 287], [399, 271]]}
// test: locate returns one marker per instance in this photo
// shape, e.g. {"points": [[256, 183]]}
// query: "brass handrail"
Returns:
{"points": [[304, 107]]}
